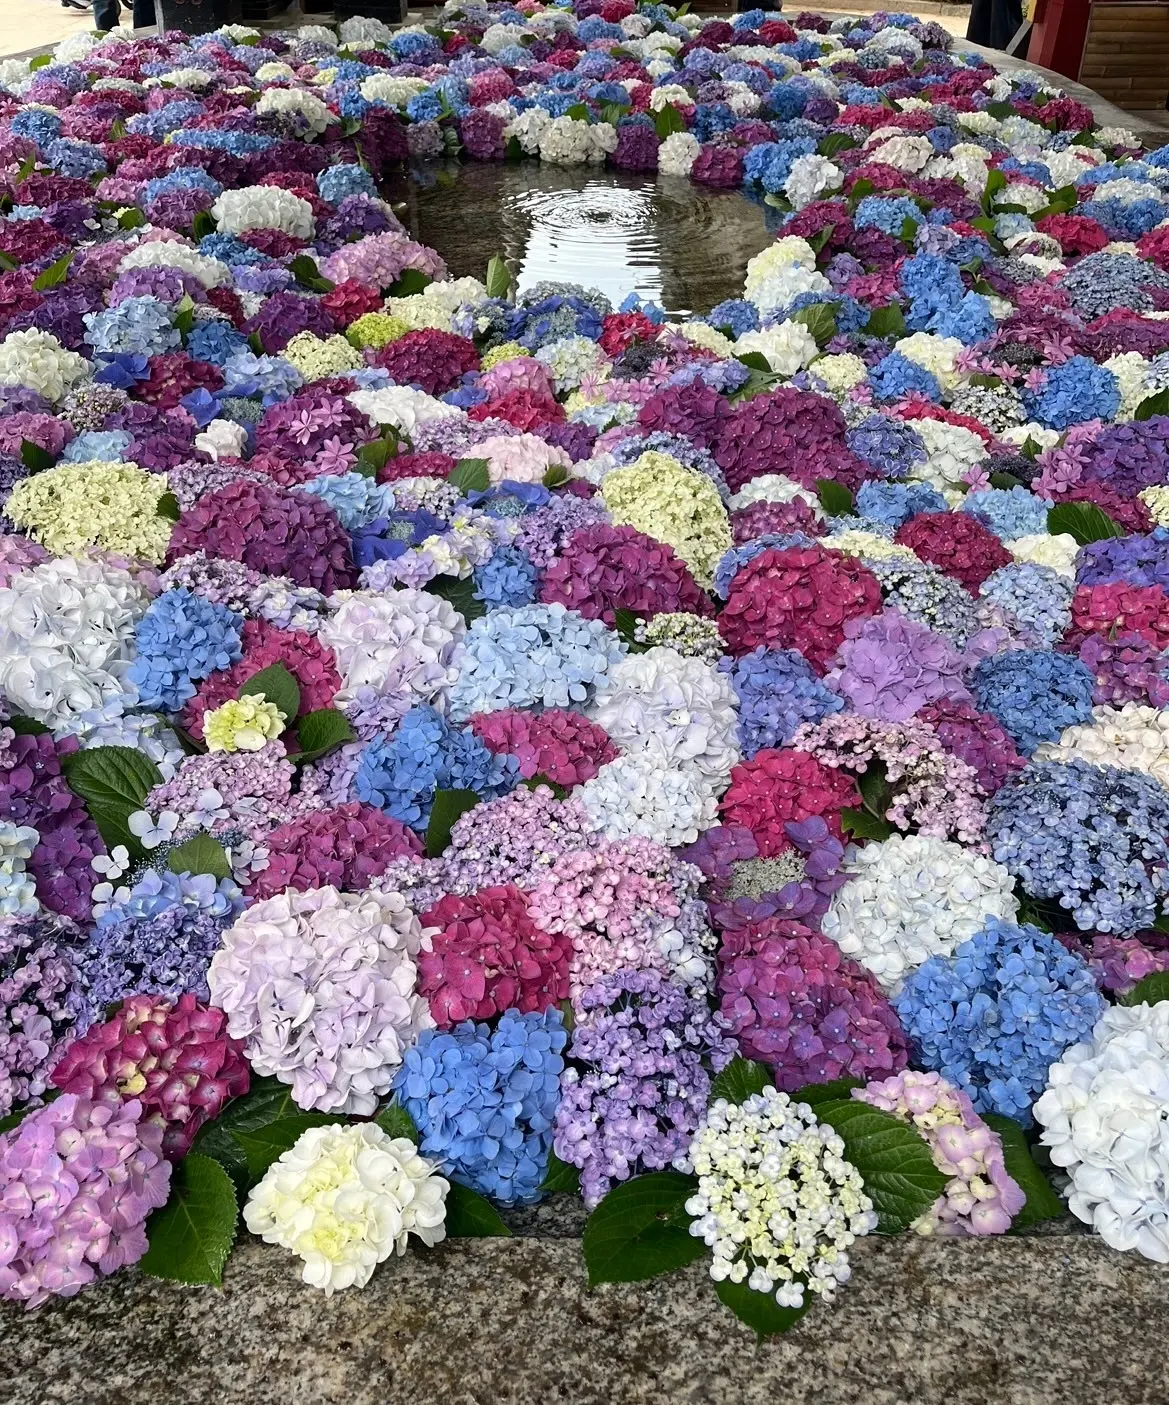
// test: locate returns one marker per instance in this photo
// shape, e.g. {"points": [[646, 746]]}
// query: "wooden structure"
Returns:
{"points": [[1118, 47]]}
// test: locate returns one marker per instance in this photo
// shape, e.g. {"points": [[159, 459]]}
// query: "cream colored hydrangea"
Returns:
{"points": [[317, 358], [1042, 549], [838, 374], [1134, 737], [938, 355], [307, 113], [871, 544], [788, 346], [674, 504], [37, 360], [243, 724], [1157, 501], [111, 506], [264, 207]]}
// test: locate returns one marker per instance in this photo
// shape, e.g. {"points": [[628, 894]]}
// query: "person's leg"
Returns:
{"points": [[144, 15], [105, 13]]}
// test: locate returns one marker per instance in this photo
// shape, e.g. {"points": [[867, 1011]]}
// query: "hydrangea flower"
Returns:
{"points": [[38, 1001], [1034, 693], [777, 690]]}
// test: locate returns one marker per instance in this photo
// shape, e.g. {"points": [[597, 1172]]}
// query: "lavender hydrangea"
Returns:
{"points": [[38, 979]]}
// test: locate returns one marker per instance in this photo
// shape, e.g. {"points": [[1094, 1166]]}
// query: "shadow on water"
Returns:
{"points": [[680, 245]]}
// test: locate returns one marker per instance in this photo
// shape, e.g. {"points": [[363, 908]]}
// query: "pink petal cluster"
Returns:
{"points": [[976, 738], [429, 359], [488, 955], [694, 410], [956, 543], [797, 598], [761, 518], [563, 746], [980, 1197], [1116, 963], [890, 666], [1119, 609], [175, 1058], [777, 786], [605, 569], [796, 1003], [380, 260], [801, 431], [345, 847], [77, 1181]]}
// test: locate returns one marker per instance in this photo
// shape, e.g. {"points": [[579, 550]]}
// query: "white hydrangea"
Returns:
{"points": [[906, 153], [774, 487], [308, 115], [405, 645], [1134, 738], [264, 207], [222, 439], [1105, 1121], [567, 142], [1039, 434], [498, 37], [569, 360], [362, 28], [18, 890], [344, 1199], [37, 360], [275, 73], [704, 335], [810, 178], [67, 637], [667, 94], [191, 78], [777, 1203], [528, 129], [1132, 376], [682, 709], [392, 92], [938, 355], [788, 346], [402, 406], [641, 794], [911, 897], [169, 253], [952, 450], [1042, 549], [856, 542]]}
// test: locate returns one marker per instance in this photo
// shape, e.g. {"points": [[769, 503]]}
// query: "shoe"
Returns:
{"points": [[73, 5]]}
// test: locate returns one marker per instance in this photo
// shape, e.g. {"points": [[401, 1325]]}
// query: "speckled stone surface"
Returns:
{"points": [[1045, 1321]]}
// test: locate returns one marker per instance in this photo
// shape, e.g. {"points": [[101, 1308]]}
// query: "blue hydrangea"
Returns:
{"points": [[933, 285], [1094, 838], [886, 213], [228, 249], [891, 446], [508, 578], [215, 342], [1035, 601], [895, 376], [37, 126], [1077, 391], [777, 691], [1008, 512], [171, 120], [181, 639], [76, 159], [532, 656], [402, 773], [135, 327], [925, 594], [993, 1017], [185, 178], [770, 163], [356, 499], [98, 446], [270, 376], [484, 1100], [1034, 693], [893, 504], [158, 889], [335, 183]]}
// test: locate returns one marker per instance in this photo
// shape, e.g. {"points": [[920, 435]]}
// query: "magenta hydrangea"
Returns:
{"points": [[602, 569], [976, 738], [562, 746], [345, 847], [802, 431]]}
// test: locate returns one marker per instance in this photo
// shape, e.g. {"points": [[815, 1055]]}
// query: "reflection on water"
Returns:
{"points": [[677, 244]]}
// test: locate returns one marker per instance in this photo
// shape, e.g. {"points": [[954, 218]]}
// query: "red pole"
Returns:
{"points": [[1057, 41]]}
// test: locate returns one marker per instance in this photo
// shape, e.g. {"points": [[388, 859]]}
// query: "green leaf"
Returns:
{"points": [[1154, 405], [448, 806], [26, 726], [24, 170], [873, 784], [894, 1162], [995, 181], [470, 1215], [816, 1093], [395, 1121], [554, 476], [131, 219], [908, 230], [320, 731], [256, 343], [612, 112], [819, 319], [740, 1079], [114, 781], [834, 497], [308, 275], [887, 321], [41, 61], [14, 1119], [200, 854], [202, 225], [860, 189], [499, 279], [34, 458], [560, 1176], [861, 825], [7, 262], [1006, 480], [1151, 991], [668, 121], [1082, 520], [263, 1145], [278, 686], [1042, 1202], [168, 507], [759, 1311], [191, 1236], [579, 112], [267, 1100], [185, 315], [834, 142], [536, 781], [54, 275], [755, 361], [460, 592], [641, 1229], [374, 455], [513, 151], [626, 623], [412, 281], [470, 476]]}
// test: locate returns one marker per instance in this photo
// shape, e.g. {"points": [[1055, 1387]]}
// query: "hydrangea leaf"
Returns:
{"points": [[560, 1176], [834, 142], [278, 686], [395, 1121], [191, 1236], [1151, 991], [888, 321], [1082, 520], [579, 112], [202, 225], [448, 806], [54, 275], [34, 458], [834, 497], [641, 1229], [26, 726], [308, 275], [267, 1100], [470, 476], [1042, 1202], [200, 854], [412, 281], [816, 1093], [372, 456], [755, 361], [894, 1162], [470, 1215], [263, 1145], [1153, 405], [168, 507], [499, 280], [184, 318], [460, 593], [861, 825], [320, 731], [740, 1079], [668, 121], [760, 1311], [131, 219], [819, 319], [554, 476], [114, 781]]}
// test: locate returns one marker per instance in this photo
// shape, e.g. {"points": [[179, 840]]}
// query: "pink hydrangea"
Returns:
{"points": [[956, 543], [488, 955], [777, 786], [797, 598], [518, 373], [345, 847], [890, 666], [1116, 963], [522, 458], [976, 738], [17, 553], [45, 431], [563, 746], [78, 1178], [803, 432], [694, 410], [379, 260], [1119, 609], [175, 1058], [429, 359], [603, 569], [796, 1003]]}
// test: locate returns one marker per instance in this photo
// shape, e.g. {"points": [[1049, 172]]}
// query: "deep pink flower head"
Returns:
{"points": [[271, 530], [78, 1177], [176, 1058], [694, 410], [797, 598], [345, 847], [956, 543], [890, 666], [796, 1003], [976, 738], [560, 745], [429, 359], [605, 569], [776, 786], [1116, 963], [720, 166], [489, 956], [429, 465], [794, 432], [1126, 668], [1117, 609], [311, 663]]}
